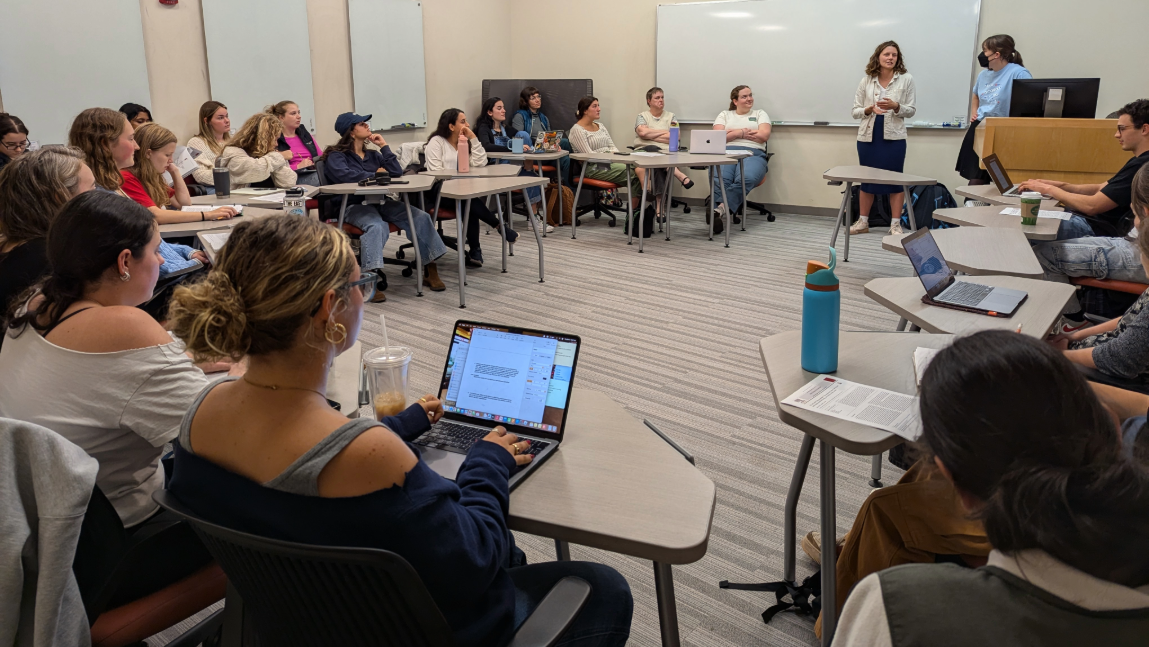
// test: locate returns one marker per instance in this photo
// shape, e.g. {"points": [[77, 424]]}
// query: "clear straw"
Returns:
{"points": [[386, 345]]}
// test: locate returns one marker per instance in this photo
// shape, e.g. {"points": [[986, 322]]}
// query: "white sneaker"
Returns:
{"points": [[860, 227], [547, 228], [896, 227]]}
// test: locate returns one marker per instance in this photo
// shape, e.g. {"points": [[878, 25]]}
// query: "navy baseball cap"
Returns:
{"points": [[347, 121]]}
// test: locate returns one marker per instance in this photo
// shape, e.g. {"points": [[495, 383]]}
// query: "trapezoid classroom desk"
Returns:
{"points": [[616, 486], [674, 160], [377, 194], [1036, 317], [537, 159], [879, 359], [869, 175], [490, 170], [247, 200], [980, 251], [989, 194], [463, 189], [1045, 229], [185, 229], [602, 158]]}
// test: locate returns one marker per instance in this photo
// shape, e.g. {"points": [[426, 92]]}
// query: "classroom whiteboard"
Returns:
{"points": [[59, 58], [387, 66], [804, 59], [258, 54]]}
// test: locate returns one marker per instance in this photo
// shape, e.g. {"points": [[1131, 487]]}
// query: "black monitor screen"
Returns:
{"points": [[1028, 98]]}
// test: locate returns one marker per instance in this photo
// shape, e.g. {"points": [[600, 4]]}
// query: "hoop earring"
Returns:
{"points": [[334, 330], [125, 277]]}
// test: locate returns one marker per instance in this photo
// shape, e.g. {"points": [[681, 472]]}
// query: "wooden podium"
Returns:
{"points": [[1079, 151]]}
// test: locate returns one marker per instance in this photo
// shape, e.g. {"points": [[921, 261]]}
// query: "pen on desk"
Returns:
{"points": [[1018, 328]]}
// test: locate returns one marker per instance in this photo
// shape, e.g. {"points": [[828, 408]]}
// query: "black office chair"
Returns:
{"points": [[298, 594]]}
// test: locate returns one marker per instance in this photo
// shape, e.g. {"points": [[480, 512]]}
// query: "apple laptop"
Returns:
{"points": [[708, 142], [1000, 178], [943, 290]]}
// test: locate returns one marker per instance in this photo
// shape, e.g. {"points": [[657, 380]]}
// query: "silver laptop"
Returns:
{"points": [[501, 375], [1000, 178], [708, 142], [942, 289]]}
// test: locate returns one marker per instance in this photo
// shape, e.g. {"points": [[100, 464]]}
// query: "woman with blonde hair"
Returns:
{"points": [[296, 140], [214, 134], [267, 454], [144, 181], [253, 155]]}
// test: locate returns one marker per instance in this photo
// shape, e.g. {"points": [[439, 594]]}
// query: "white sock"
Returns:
{"points": [[864, 220]]}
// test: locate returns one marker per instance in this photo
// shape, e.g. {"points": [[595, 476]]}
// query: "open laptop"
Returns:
{"points": [[943, 290], [708, 142], [501, 375], [548, 140], [1000, 178]]}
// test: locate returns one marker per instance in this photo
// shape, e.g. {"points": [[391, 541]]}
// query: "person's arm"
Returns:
{"points": [[246, 169], [579, 139], [518, 123], [863, 622], [907, 108], [181, 197], [1125, 355], [478, 153], [339, 170], [283, 176], [1126, 404], [486, 135], [204, 162], [861, 110], [1090, 205], [720, 124], [650, 134], [973, 106], [763, 133], [158, 405]]}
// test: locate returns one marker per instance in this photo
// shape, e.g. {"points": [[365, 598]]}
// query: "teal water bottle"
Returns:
{"points": [[821, 313]]}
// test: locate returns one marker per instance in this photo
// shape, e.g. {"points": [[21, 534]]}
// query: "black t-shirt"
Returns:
{"points": [[1120, 189], [19, 269]]}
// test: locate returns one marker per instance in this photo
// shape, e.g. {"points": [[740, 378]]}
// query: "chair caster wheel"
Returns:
{"points": [[770, 218], [686, 210], [400, 254], [611, 223], [407, 272]]}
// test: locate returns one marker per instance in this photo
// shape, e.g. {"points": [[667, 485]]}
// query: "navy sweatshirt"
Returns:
{"points": [[342, 167], [453, 534]]}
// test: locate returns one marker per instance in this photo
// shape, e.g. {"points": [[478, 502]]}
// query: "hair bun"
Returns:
{"points": [[211, 318]]}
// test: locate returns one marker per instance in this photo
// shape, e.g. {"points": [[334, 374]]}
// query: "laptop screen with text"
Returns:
{"points": [[927, 260], [510, 376]]}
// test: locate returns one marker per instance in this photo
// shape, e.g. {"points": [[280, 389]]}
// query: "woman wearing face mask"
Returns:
{"points": [[885, 98], [13, 138], [296, 139], [991, 95]]}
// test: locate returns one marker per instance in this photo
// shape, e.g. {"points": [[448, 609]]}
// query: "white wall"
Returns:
{"points": [[503, 38]]}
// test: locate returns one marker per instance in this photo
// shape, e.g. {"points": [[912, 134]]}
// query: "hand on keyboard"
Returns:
{"points": [[517, 448], [433, 406]]}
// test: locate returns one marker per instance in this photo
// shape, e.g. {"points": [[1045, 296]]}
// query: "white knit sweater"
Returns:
{"points": [[246, 169], [440, 154], [205, 161]]}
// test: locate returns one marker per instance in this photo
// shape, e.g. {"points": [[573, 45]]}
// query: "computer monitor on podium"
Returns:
{"points": [[1066, 98]]}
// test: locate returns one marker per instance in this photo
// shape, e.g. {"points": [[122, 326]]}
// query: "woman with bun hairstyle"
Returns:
{"points": [[991, 97], [253, 155], [296, 140], [589, 136], [144, 181], [214, 134], [121, 385], [288, 295], [13, 138], [1062, 496]]}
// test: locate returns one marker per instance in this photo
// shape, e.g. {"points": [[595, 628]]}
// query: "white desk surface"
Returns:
{"points": [[872, 175], [343, 380], [881, 359], [683, 159], [491, 170], [615, 485], [1037, 315], [464, 188], [250, 200], [980, 251], [1045, 229], [537, 157], [414, 184], [606, 158], [183, 229], [989, 193]]}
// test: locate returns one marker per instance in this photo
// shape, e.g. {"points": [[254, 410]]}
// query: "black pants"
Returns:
{"points": [[179, 554], [479, 211]]}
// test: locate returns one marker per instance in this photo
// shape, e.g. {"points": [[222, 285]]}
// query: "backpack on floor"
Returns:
{"points": [[552, 195], [647, 218], [928, 199]]}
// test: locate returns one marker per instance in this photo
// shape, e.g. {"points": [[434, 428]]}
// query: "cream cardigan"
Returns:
{"points": [[205, 161], [246, 169], [900, 89]]}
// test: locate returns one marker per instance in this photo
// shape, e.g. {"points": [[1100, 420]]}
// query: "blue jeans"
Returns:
{"points": [[373, 219], [604, 620], [755, 167], [1094, 257], [1075, 227]]}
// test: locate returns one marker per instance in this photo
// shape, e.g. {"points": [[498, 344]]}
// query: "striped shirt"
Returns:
{"points": [[585, 141]]}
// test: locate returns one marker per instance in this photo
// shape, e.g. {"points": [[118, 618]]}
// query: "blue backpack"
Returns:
{"points": [[928, 199]]}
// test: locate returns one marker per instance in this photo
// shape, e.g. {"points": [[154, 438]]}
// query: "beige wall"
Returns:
{"points": [[501, 38]]}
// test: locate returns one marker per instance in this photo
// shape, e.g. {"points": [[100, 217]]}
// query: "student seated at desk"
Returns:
{"points": [[492, 132], [746, 129], [144, 181], [13, 138], [530, 119], [267, 454], [33, 188], [214, 134], [652, 128], [296, 139], [349, 161], [1063, 498], [137, 115], [1106, 204], [589, 136], [442, 152], [99, 371], [253, 155], [108, 143]]}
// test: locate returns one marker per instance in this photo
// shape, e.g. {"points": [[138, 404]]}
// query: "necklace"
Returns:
{"points": [[274, 387]]}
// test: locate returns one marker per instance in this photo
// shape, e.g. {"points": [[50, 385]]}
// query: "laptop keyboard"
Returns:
{"points": [[454, 437], [965, 294]]}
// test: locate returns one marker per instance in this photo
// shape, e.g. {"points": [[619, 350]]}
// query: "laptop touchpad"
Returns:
{"points": [[444, 463], [1002, 300]]}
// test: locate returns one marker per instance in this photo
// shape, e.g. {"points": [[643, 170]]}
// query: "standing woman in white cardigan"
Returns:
{"points": [[884, 100]]}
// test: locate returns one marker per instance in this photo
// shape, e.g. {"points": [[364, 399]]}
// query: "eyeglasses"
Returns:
{"points": [[366, 285], [1120, 128], [15, 146]]}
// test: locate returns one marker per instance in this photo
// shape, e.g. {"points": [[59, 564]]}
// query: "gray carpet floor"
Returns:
{"points": [[672, 334]]}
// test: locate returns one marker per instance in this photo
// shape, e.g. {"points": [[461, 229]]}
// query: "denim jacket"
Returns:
{"points": [[528, 120]]}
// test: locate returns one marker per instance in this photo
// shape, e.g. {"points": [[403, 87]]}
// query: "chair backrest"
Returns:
{"points": [[299, 594], [320, 166], [560, 97]]}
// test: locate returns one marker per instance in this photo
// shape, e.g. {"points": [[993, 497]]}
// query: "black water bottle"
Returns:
{"points": [[221, 176]]}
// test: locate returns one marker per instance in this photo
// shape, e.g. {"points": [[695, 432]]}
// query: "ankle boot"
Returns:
{"points": [[431, 278]]}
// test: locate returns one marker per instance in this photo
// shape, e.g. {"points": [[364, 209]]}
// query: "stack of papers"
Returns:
{"points": [[1016, 211], [274, 197], [889, 411], [207, 207], [215, 239], [645, 154]]}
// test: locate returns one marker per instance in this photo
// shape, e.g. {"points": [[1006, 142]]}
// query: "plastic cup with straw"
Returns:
{"points": [[387, 375]]}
